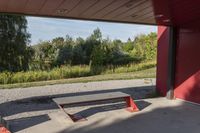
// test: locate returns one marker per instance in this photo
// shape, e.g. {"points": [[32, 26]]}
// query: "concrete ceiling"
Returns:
{"points": [[131, 11], [154, 12]]}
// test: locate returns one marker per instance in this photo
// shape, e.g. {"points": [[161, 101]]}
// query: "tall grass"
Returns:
{"points": [[56, 73], [132, 67], [69, 72]]}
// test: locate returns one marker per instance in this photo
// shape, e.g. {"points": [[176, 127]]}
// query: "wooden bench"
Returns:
{"points": [[64, 101]]}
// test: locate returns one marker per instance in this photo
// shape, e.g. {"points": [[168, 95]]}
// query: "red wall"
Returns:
{"points": [[187, 81], [162, 59], [187, 76]]}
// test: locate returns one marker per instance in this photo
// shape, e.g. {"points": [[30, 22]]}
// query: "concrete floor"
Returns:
{"points": [[157, 115], [31, 110]]}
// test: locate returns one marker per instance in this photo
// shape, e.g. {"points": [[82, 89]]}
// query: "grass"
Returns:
{"points": [[54, 74], [147, 73], [132, 67], [66, 72]]}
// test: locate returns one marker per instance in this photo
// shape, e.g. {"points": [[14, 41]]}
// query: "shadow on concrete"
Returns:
{"points": [[45, 102], [27, 122], [114, 106], [171, 119], [23, 123]]}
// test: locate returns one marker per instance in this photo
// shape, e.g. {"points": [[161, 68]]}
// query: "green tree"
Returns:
{"points": [[45, 55], [79, 55], [14, 40], [94, 51], [65, 55], [65, 52], [100, 54], [96, 35], [58, 42], [91, 42], [145, 46], [128, 46]]}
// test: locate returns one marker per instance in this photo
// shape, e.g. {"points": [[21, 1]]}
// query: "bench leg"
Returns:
{"points": [[3, 129], [131, 106], [73, 117]]}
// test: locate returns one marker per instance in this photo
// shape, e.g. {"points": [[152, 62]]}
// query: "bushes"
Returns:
{"points": [[69, 72], [56, 73], [5, 78], [132, 67]]}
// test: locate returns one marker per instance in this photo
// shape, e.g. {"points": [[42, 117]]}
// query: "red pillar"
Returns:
{"points": [[162, 59]]}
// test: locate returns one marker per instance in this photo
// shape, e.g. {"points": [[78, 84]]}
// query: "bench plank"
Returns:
{"points": [[61, 102], [89, 98]]}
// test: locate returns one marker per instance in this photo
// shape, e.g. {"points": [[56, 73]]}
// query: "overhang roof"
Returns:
{"points": [[154, 12]]}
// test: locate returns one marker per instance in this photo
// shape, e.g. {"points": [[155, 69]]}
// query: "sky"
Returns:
{"points": [[49, 28]]}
